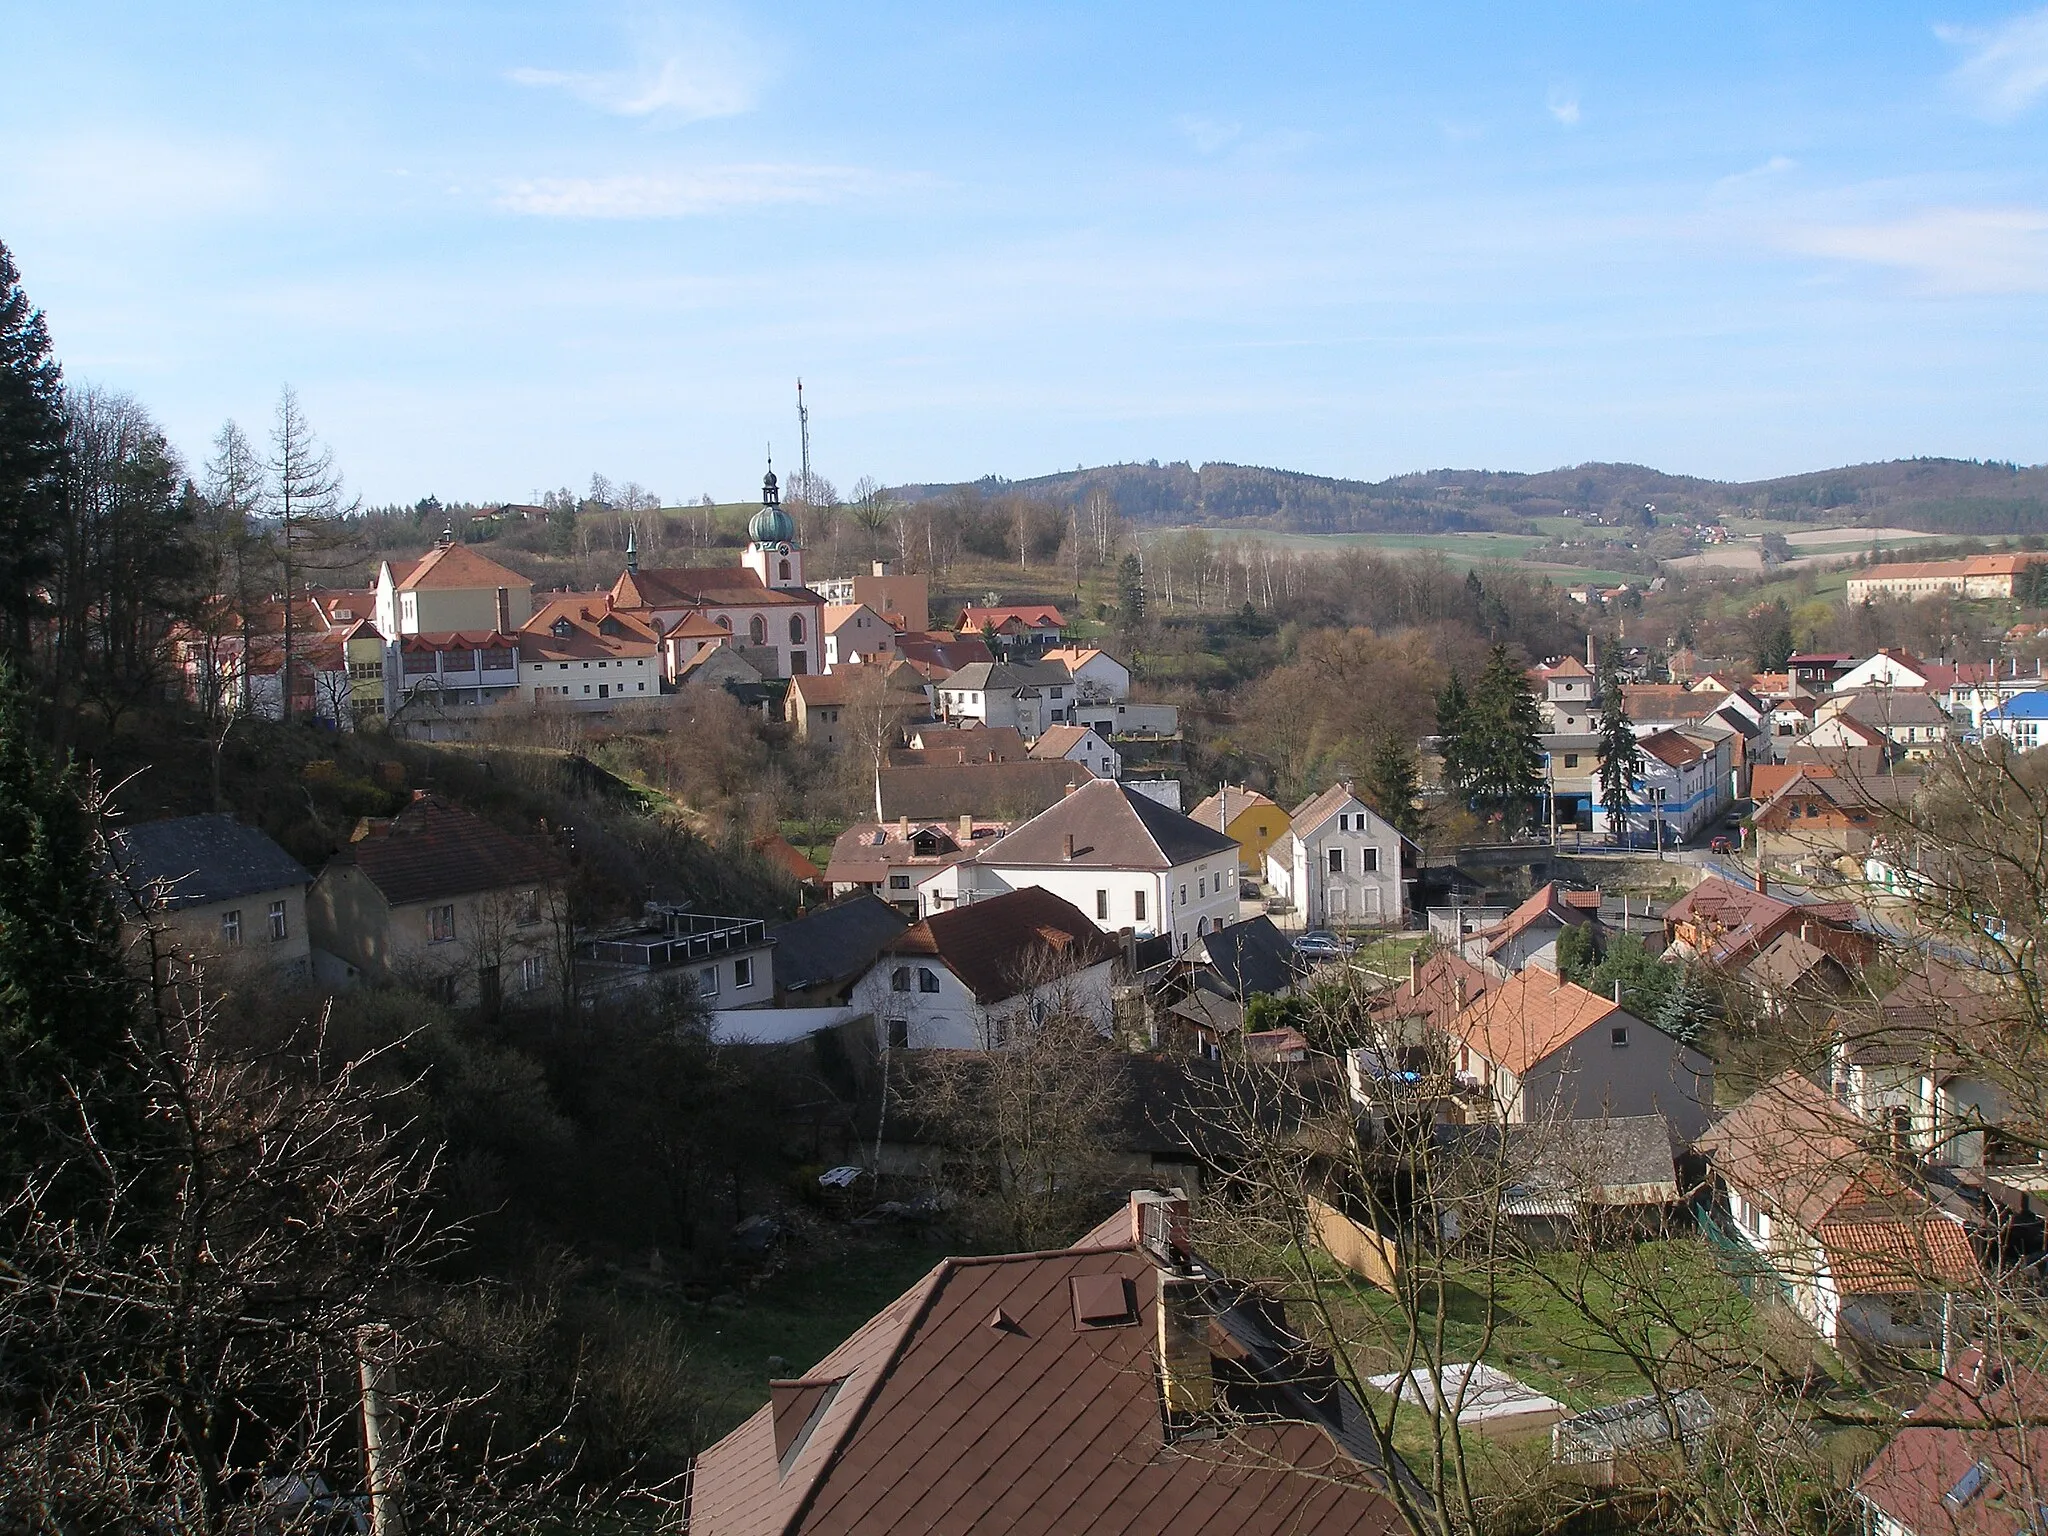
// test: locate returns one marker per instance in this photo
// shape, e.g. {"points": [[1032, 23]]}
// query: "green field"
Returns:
{"points": [[1463, 550]]}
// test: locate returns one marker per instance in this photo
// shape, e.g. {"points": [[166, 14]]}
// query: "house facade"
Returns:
{"points": [[975, 977], [1027, 696], [1126, 861], [439, 899], [1253, 820], [1340, 863], [576, 652], [1079, 744], [227, 897]]}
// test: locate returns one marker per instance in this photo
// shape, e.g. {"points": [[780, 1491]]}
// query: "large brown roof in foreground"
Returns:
{"points": [[975, 1403], [432, 848]]}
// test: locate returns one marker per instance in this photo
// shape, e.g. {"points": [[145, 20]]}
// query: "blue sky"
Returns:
{"points": [[497, 248]]}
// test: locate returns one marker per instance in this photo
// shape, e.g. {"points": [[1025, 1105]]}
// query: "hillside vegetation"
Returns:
{"points": [[1935, 495]]}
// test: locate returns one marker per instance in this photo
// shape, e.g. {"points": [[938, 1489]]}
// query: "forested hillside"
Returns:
{"points": [[1938, 495]]}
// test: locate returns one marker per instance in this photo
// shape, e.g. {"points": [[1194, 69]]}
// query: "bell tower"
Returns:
{"points": [[773, 553]]}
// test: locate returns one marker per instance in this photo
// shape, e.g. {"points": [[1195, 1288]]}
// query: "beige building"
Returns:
{"points": [[438, 899], [225, 894], [904, 601], [1981, 576]]}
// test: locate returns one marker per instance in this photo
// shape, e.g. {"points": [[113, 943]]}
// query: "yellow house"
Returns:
{"points": [[1245, 814]]}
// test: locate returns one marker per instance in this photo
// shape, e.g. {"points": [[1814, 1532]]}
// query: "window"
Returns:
{"points": [[743, 973], [1138, 905], [1620, 1036], [529, 909], [1202, 888], [1571, 759], [1102, 906], [899, 979], [1183, 895], [899, 1034], [280, 926], [707, 981], [1368, 859], [441, 925], [1344, 823], [796, 625], [533, 973], [231, 927], [1336, 861], [757, 630], [784, 568], [927, 980], [899, 882]]}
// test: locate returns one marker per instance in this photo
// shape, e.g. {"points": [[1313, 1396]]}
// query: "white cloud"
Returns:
{"points": [[684, 70], [685, 194], [2006, 69], [1774, 167], [1564, 106], [1954, 250], [1207, 134]]}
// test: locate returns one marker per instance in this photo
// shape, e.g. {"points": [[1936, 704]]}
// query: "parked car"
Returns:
{"points": [[1321, 944], [1720, 845]]}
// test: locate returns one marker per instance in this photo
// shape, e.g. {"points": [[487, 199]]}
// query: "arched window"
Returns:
{"points": [[725, 623], [796, 629], [757, 630], [785, 570]]}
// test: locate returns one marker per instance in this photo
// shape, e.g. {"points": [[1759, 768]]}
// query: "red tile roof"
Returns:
{"points": [[1552, 904], [1994, 1417], [588, 630], [724, 586], [1022, 616], [989, 1398], [456, 567], [1528, 1017]]}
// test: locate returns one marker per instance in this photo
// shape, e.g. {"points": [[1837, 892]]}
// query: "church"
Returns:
{"points": [[760, 607]]}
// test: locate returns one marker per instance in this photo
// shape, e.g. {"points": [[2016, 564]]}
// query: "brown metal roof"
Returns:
{"points": [[977, 1403], [1103, 825]]}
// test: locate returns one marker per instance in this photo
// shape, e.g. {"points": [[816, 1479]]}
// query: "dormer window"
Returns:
{"points": [[562, 629]]}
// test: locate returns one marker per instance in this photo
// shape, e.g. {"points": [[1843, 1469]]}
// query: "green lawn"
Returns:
{"points": [[800, 1315]]}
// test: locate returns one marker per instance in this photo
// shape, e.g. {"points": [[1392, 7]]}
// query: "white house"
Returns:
{"points": [[1121, 858], [1683, 785], [1099, 678], [1570, 700], [1886, 668], [2021, 720], [1340, 862], [1028, 695], [970, 977], [1079, 744]]}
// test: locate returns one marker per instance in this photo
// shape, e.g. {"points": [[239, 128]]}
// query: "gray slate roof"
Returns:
{"points": [[194, 860], [834, 943], [1112, 828], [1252, 957], [981, 676]]}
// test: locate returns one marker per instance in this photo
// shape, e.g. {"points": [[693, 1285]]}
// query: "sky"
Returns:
{"points": [[499, 248]]}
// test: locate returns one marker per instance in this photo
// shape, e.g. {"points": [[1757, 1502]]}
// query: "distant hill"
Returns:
{"points": [[1935, 495]]}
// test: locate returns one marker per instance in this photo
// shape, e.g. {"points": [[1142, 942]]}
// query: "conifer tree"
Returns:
{"points": [[1454, 727], [1391, 784], [1687, 1011], [31, 457], [66, 1000], [1130, 591], [1506, 754], [1621, 755]]}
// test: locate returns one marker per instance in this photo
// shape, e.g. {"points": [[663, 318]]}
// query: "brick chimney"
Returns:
{"points": [[1067, 847], [966, 828]]}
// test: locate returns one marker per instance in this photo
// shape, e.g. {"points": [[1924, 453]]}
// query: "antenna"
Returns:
{"points": [[803, 427]]}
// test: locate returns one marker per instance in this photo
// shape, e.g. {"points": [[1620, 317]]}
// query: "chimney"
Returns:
{"points": [[1159, 1226], [902, 829], [881, 568], [1804, 928], [1184, 1369], [1414, 972], [504, 611], [1617, 991], [1763, 881], [1068, 847], [1458, 990], [1589, 651], [966, 828]]}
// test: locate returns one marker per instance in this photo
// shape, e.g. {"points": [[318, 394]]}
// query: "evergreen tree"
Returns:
{"points": [[1575, 953], [66, 999], [1687, 1011], [31, 457], [1130, 590], [1391, 785], [1506, 753], [1621, 755], [1644, 980], [1454, 733]]}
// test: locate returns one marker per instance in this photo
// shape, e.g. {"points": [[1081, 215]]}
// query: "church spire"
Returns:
{"points": [[632, 549]]}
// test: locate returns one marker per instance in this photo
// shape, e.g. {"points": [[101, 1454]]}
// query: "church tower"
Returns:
{"points": [[773, 553]]}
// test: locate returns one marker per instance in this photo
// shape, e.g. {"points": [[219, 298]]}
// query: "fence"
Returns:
{"points": [[1368, 1254]]}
